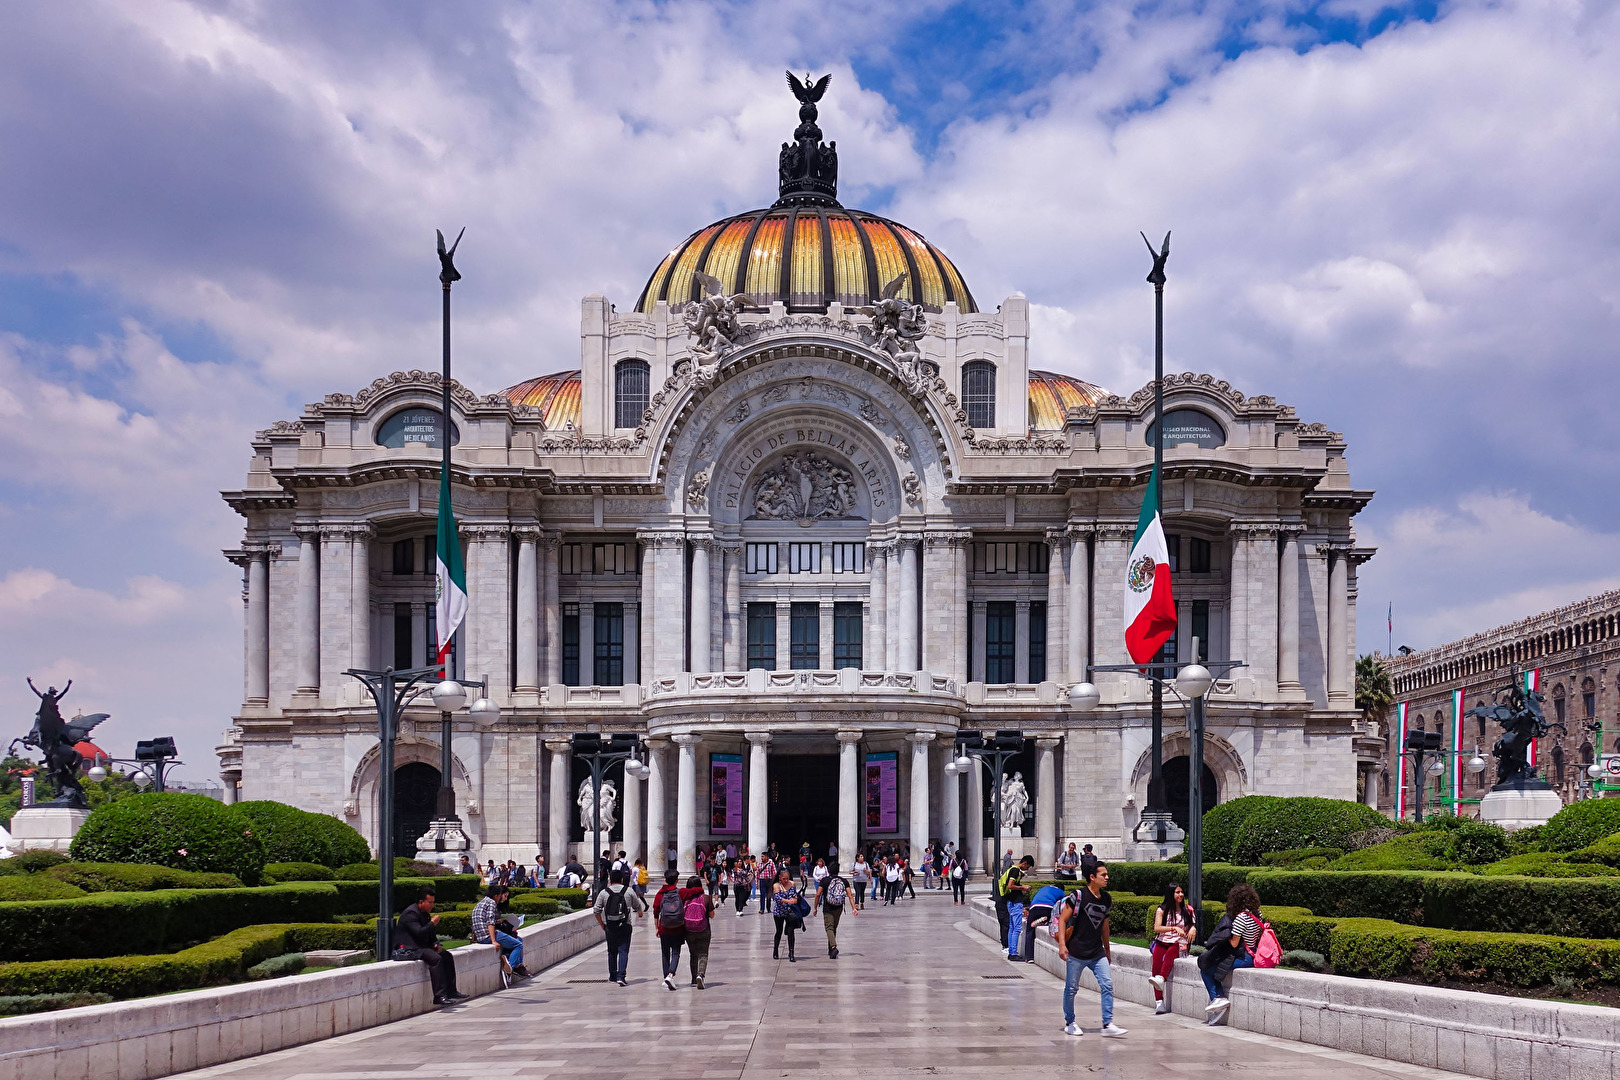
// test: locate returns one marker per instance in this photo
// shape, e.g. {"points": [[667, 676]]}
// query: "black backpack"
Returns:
{"points": [[671, 912], [617, 908]]}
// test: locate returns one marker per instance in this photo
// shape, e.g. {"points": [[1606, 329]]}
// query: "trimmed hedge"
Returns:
{"points": [[113, 924], [136, 877], [1580, 824], [1605, 851], [574, 898], [1551, 864], [534, 905], [1222, 822], [298, 871], [277, 966], [36, 887], [223, 960], [187, 832], [1386, 950], [1151, 879], [292, 835], [360, 897], [1411, 851], [1286, 824], [32, 862], [24, 1004]]}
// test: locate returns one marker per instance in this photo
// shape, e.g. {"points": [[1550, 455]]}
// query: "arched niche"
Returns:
{"points": [[807, 465], [409, 750]]}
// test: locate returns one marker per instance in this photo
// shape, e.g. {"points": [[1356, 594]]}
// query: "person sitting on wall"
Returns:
{"points": [[420, 941]]}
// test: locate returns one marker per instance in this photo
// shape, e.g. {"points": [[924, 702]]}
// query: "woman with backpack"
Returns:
{"points": [[785, 906], [958, 877], [699, 907], [1231, 946], [1174, 928], [669, 914]]}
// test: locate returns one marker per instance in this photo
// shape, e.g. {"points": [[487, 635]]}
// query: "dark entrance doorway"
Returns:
{"points": [[416, 801], [804, 802], [1177, 781]]}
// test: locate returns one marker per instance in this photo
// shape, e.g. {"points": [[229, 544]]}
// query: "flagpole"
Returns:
{"points": [[1155, 792]]}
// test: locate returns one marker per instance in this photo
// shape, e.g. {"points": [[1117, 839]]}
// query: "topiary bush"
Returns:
{"points": [[1547, 864], [1386, 950], [360, 871], [1300, 823], [1221, 824], [32, 862], [298, 871], [277, 966], [1309, 858], [1580, 824], [1466, 841], [1304, 960], [292, 835], [1408, 851], [136, 877], [187, 832], [36, 887]]}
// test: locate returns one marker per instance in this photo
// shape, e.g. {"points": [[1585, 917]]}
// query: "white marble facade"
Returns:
{"points": [[953, 524]]}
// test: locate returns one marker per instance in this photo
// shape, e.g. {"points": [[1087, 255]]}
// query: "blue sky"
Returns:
{"points": [[1400, 219]]}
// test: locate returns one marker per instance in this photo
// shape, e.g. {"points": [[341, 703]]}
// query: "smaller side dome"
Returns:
{"points": [[555, 395], [1051, 395]]}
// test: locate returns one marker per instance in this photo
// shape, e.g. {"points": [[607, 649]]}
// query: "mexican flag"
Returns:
{"points": [[1150, 610], [1400, 761], [451, 585], [1531, 683], [1457, 700]]}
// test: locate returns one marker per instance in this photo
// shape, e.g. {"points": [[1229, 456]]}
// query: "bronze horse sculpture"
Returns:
{"points": [[58, 740]]}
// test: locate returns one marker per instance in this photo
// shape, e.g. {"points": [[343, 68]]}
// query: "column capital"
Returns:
{"points": [[259, 549], [687, 738], [347, 530], [921, 738], [731, 549], [1057, 535], [1115, 530], [758, 738], [550, 541], [1078, 531], [486, 533], [527, 532], [1327, 548], [309, 531], [1048, 742], [660, 539], [1291, 530], [907, 540], [657, 742], [879, 549], [1254, 530], [851, 737], [954, 538], [558, 746], [704, 541]]}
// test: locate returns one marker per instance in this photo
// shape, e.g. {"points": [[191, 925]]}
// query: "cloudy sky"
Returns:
{"points": [[1402, 220]]}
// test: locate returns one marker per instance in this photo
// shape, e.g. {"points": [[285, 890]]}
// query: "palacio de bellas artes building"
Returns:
{"points": [[804, 511]]}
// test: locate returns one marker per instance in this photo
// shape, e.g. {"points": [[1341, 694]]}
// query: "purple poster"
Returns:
{"points": [[882, 811], [725, 794]]}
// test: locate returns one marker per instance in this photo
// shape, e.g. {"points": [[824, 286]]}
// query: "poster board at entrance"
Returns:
{"points": [[882, 805], [725, 794]]}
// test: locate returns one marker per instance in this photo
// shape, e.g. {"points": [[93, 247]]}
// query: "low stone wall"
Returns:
{"points": [[153, 1037], [1488, 1035]]}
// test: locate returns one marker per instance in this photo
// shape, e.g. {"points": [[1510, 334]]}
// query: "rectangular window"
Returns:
{"points": [[1558, 708], [1589, 704], [848, 558], [804, 624], [847, 635], [613, 558], [609, 655], [571, 559], [761, 558], [1000, 641], [804, 558], [1172, 543], [1037, 640], [1039, 553], [404, 653], [1197, 555], [570, 643], [997, 558], [1200, 624], [762, 636], [404, 557]]}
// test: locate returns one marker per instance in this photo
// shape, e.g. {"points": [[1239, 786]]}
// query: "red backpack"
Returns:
{"points": [[697, 914], [1268, 950]]}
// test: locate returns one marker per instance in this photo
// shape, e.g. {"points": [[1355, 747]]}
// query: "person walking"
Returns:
{"points": [[860, 875], [1082, 940], [1173, 930], [1230, 946], [1011, 887], [641, 880], [1038, 913], [928, 866], [891, 879], [1088, 859], [613, 908], [698, 912], [820, 874], [832, 897], [742, 882], [1068, 864], [905, 878], [832, 856], [785, 907], [806, 860], [765, 878], [957, 873], [669, 911]]}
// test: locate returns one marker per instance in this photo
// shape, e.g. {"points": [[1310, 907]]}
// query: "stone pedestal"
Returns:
{"points": [[444, 843], [45, 828], [1519, 809], [1018, 844], [1146, 845]]}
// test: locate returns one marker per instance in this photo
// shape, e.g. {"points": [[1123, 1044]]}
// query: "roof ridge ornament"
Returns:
{"points": [[807, 167]]}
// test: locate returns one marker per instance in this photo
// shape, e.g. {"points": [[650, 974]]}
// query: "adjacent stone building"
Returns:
{"points": [[797, 552]]}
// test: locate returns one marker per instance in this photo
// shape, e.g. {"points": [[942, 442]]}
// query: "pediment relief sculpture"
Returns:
{"points": [[804, 486]]}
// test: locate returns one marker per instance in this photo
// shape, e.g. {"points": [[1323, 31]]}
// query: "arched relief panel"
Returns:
{"points": [[804, 464], [887, 424]]}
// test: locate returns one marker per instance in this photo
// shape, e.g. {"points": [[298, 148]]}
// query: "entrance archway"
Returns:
{"points": [[416, 802], [803, 802], [1177, 785]]}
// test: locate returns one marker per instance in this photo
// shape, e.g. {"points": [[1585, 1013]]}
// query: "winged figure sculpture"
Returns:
{"points": [[712, 321], [808, 92], [58, 740]]}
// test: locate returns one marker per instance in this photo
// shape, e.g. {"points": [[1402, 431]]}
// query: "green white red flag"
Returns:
{"points": [[1150, 610], [1532, 685], [450, 605]]}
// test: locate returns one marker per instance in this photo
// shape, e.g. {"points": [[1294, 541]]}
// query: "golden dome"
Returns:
{"points": [[556, 396], [1051, 395]]}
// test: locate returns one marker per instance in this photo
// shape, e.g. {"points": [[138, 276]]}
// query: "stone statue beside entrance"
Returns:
{"points": [[1014, 803], [587, 807]]}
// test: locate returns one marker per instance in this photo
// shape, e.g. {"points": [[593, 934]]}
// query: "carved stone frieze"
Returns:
{"points": [[697, 490], [485, 533], [912, 487], [803, 486], [348, 530]]}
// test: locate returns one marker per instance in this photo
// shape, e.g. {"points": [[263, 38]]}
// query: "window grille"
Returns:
{"points": [[1039, 554], [979, 393], [571, 559], [761, 558], [609, 651], [997, 558], [762, 636], [630, 382], [848, 558], [570, 644], [804, 558]]}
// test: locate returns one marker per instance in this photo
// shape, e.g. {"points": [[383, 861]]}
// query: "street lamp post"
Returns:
{"points": [[152, 761], [445, 836], [598, 754], [1423, 744], [993, 753]]}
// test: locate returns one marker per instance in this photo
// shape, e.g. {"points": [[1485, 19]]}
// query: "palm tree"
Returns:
{"points": [[1374, 693]]}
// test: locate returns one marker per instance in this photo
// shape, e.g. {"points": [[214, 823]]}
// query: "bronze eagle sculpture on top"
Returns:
{"points": [[807, 92]]}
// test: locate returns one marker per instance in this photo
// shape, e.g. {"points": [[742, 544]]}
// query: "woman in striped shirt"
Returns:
{"points": [[1232, 946]]}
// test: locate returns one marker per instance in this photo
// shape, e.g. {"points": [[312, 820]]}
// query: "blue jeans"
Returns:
{"points": [[512, 947], [1015, 924], [618, 951], [1105, 983], [1214, 987]]}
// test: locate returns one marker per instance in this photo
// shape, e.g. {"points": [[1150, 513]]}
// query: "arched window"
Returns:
{"points": [[979, 393], [630, 381]]}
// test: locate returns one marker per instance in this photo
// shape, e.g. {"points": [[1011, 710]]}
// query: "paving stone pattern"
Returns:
{"points": [[913, 992]]}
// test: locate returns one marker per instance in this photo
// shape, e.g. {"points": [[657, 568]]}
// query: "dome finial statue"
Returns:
{"points": [[807, 167]]}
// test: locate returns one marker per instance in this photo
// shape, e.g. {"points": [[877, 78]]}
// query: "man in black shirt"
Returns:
{"points": [[1082, 941], [419, 941]]}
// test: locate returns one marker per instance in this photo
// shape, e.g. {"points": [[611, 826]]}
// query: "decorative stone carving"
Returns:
{"points": [[896, 328], [1014, 801], [912, 488], [773, 395], [586, 801], [739, 414], [901, 450], [804, 486], [697, 490], [712, 324], [873, 415]]}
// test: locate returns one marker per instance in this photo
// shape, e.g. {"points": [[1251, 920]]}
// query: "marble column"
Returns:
{"points": [[528, 612], [735, 632], [876, 648], [950, 826], [258, 625], [759, 791], [686, 826], [849, 793], [1079, 609], [551, 608], [657, 812], [919, 791], [337, 614], [1057, 599], [1288, 613], [698, 662], [1338, 660], [560, 802], [975, 816], [633, 818], [1369, 781], [1111, 553], [910, 580], [308, 644], [666, 607], [1046, 804]]}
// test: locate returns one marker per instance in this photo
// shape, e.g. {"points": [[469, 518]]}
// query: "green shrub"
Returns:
{"points": [[1469, 842], [575, 898], [1526, 839], [535, 905], [136, 877], [1304, 960], [187, 832], [1221, 825], [298, 871], [277, 966], [1581, 823], [36, 887], [111, 924], [1300, 823], [1547, 864], [1409, 851], [1151, 879], [32, 862], [1366, 838], [1297, 856], [1605, 851], [358, 897], [1386, 950], [24, 1004], [292, 835], [360, 871]]}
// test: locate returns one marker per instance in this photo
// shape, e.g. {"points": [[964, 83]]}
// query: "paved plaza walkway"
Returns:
{"points": [[914, 992]]}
